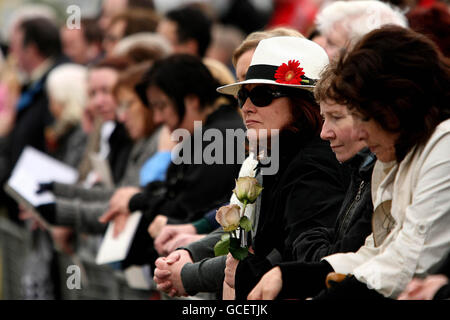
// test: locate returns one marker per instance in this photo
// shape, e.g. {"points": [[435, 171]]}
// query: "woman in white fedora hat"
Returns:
{"points": [[307, 190]]}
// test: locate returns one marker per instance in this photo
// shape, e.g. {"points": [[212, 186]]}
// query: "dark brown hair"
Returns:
{"points": [[44, 34], [91, 31], [131, 76], [397, 77], [137, 20], [141, 54], [128, 80], [118, 63], [193, 23], [179, 76], [306, 113]]}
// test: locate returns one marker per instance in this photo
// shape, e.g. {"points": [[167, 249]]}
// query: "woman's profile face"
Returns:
{"points": [[277, 115], [132, 113], [163, 108], [338, 129], [381, 142], [335, 41]]}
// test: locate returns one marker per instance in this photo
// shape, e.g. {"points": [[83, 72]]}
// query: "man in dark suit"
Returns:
{"points": [[36, 46]]}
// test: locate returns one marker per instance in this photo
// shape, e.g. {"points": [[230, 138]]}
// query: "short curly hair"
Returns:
{"points": [[397, 77]]}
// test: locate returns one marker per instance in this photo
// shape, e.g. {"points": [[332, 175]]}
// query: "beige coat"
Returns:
{"points": [[415, 235]]}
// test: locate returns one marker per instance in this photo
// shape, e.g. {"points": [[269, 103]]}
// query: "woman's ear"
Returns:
{"points": [[192, 103], [190, 46]]}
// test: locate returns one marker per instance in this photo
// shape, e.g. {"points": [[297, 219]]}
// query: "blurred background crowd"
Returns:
{"points": [[68, 69]]}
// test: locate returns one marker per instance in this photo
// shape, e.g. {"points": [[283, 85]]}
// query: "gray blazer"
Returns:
{"points": [[81, 207], [206, 274]]}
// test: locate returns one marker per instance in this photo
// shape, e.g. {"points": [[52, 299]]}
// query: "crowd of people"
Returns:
{"points": [[350, 98]]}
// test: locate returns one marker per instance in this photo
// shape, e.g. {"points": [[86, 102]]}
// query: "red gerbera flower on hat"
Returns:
{"points": [[289, 73]]}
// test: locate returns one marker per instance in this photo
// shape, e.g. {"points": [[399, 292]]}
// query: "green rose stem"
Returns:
{"points": [[242, 231], [243, 209]]}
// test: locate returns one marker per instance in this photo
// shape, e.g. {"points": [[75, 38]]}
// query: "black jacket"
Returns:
{"points": [[28, 130], [306, 193], [30, 123], [120, 145], [189, 190], [444, 291], [354, 222]]}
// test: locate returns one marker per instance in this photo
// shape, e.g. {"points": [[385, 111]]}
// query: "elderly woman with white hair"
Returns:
{"points": [[343, 23], [66, 89]]}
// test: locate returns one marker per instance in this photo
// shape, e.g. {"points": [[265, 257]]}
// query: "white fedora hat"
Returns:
{"points": [[284, 61]]}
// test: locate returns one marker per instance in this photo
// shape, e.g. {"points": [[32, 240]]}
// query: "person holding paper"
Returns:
{"points": [[80, 207]]}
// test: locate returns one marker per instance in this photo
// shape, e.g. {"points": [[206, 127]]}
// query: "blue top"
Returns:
{"points": [[154, 168]]}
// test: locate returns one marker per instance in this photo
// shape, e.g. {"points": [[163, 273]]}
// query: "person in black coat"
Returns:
{"points": [[36, 46], [308, 189], [306, 193], [354, 222], [180, 90]]}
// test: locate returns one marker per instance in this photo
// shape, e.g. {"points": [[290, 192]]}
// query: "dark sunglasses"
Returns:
{"points": [[261, 96]]}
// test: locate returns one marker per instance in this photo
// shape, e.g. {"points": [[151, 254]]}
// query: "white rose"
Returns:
{"points": [[247, 189], [228, 217]]}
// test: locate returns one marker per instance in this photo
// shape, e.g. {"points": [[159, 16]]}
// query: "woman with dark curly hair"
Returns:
{"points": [[396, 84]]}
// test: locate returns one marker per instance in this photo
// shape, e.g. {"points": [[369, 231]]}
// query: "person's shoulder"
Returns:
{"points": [[438, 145], [316, 157], [225, 117], [311, 157], [318, 151], [443, 129]]}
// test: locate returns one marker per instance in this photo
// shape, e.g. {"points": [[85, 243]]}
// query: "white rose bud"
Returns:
{"points": [[228, 217], [247, 189]]}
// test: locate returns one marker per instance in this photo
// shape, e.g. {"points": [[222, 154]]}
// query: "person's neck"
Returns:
{"points": [[39, 67], [201, 115], [206, 112]]}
